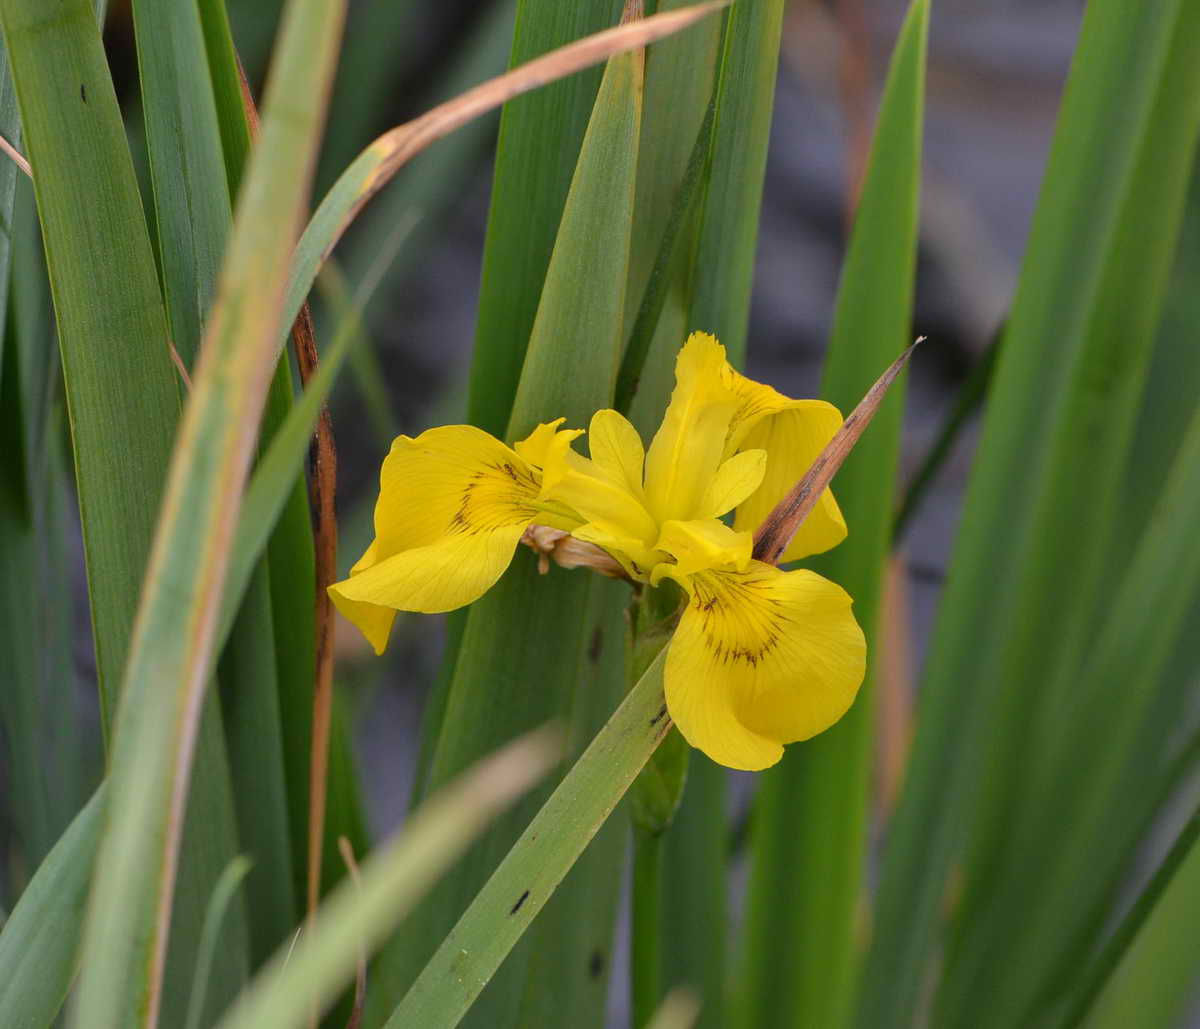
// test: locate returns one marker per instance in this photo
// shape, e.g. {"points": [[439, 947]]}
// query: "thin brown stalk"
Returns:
{"points": [[778, 528], [321, 490], [854, 81], [321, 485], [17, 157], [180, 367]]}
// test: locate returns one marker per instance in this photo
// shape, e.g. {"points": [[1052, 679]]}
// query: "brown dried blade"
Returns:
{"points": [[776, 532]]}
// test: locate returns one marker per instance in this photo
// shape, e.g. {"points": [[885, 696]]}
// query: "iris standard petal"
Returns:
{"points": [[793, 438], [762, 658], [545, 441], [452, 505], [736, 479], [601, 498], [699, 545], [688, 447], [617, 449]]}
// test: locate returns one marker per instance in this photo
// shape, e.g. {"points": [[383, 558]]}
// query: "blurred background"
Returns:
{"points": [[996, 70]]}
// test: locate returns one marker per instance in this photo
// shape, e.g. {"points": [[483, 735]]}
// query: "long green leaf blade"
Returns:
{"points": [[1075, 526], [815, 860], [191, 199], [39, 941], [112, 329], [192, 217], [540, 137], [528, 875], [570, 369], [128, 915], [724, 263], [1156, 977], [290, 559], [1060, 365], [359, 914], [114, 344]]}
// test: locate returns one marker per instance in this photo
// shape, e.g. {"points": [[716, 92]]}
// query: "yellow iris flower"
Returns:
{"points": [[761, 657]]}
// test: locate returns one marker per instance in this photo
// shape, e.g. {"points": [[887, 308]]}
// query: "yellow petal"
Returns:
{"points": [[736, 479], [452, 505], [545, 440], [793, 438], [755, 401], [688, 447], [455, 478], [374, 622], [762, 658], [698, 545], [599, 496], [617, 449], [633, 554], [445, 575]]}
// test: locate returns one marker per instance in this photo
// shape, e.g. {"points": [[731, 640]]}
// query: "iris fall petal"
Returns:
{"points": [[762, 658]]}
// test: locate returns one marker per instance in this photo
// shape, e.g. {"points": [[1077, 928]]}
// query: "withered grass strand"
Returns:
{"points": [[776, 532]]}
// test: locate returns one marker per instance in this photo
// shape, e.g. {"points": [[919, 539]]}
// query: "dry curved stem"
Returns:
{"points": [[776, 532], [322, 485], [17, 157]]}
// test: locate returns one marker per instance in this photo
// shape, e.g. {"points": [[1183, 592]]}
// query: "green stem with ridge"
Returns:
{"points": [[645, 956]]}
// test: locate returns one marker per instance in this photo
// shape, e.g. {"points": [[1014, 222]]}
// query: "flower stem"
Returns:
{"points": [[646, 949]]}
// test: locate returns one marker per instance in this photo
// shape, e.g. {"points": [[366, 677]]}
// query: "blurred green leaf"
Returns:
{"points": [[523, 882], [1038, 511], [810, 820], [1076, 521], [571, 946], [111, 325], [193, 215], [252, 724], [112, 335], [290, 559], [191, 200], [127, 926], [540, 137], [218, 906], [10, 129], [383, 40], [1099, 976], [1156, 976], [360, 913], [51, 763], [724, 261], [40, 938], [966, 404]]}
